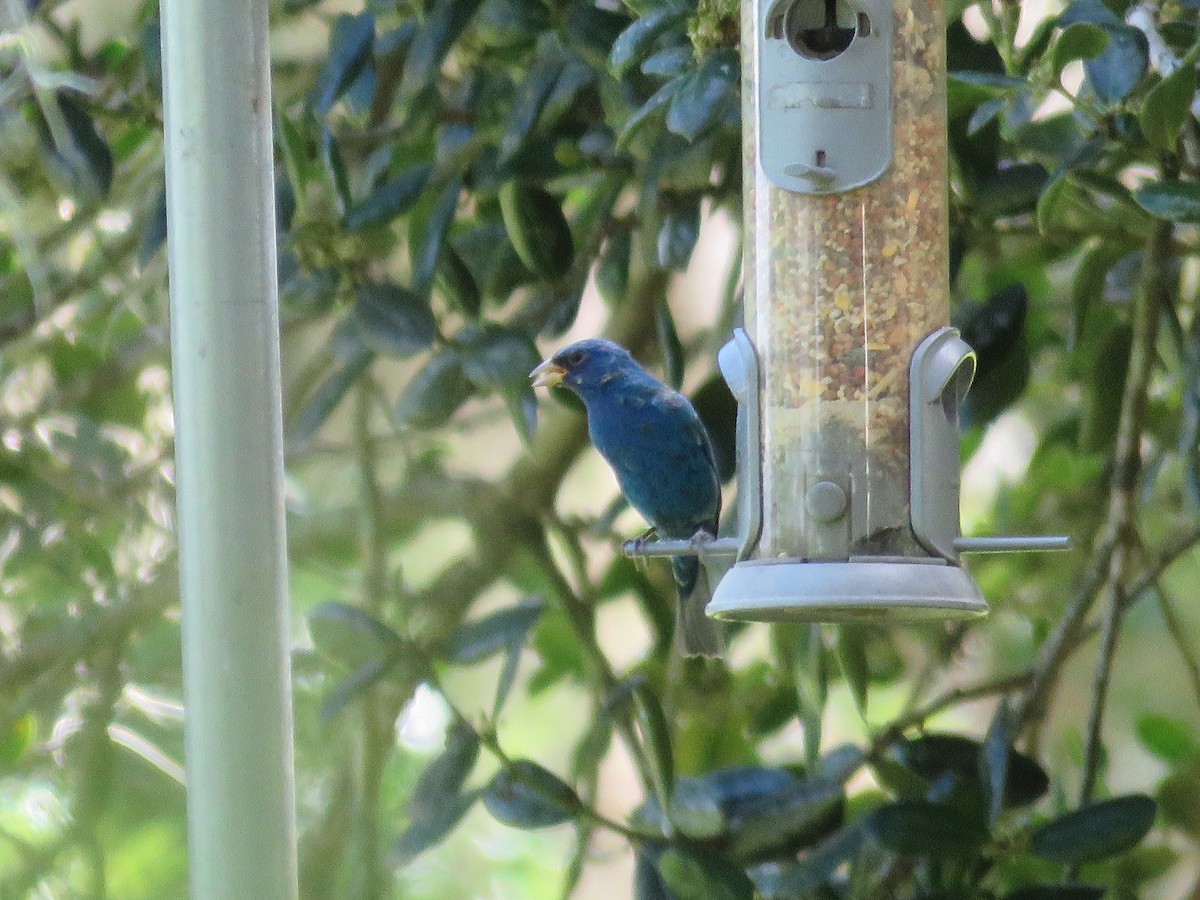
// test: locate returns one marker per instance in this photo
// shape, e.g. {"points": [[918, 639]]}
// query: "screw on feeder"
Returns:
{"points": [[847, 376]]}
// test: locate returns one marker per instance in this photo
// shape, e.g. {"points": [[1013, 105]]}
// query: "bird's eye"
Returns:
{"points": [[575, 358]]}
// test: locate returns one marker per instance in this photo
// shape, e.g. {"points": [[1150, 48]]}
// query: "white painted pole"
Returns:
{"points": [[228, 455]]}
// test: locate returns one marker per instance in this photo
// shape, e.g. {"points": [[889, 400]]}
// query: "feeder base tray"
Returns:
{"points": [[856, 590]]}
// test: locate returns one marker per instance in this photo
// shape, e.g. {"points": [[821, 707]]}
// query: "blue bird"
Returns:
{"points": [[660, 452]]}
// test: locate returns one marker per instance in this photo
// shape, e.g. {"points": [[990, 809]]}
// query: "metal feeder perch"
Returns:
{"points": [[847, 375]]}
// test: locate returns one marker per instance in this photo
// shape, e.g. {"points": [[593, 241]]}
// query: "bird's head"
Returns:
{"points": [[584, 366]]}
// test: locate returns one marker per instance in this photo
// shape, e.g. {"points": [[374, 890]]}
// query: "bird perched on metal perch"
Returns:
{"points": [[660, 452]]}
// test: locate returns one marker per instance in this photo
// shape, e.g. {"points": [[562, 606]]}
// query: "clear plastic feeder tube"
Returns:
{"points": [[842, 283]]}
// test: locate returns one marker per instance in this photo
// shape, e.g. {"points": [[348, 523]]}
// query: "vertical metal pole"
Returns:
{"points": [[229, 459]]}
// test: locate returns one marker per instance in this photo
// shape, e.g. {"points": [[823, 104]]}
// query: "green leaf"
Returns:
{"points": [[612, 272], [694, 809], [454, 281], [476, 641], [677, 238], [669, 62], [1116, 72], [634, 43], [1058, 892], [1179, 798], [1167, 107], [154, 231], [792, 816], [852, 656], [920, 828], [522, 409], [442, 780], [390, 199], [656, 735], [532, 93], [704, 96], [441, 29], [350, 45], [16, 737], [427, 238], [322, 402], [497, 357], [648, 884], [1175, 201], [657, 101], [538, 230], [798, 880], [690, 874], [427, 832], [525, 795], [350, 636], [1171, 740], [347, 689], [933, 755], [434, 393], [1096, 831], [1079, 40], [669, 343], [994, 759], [394, 319], [84, 161]]}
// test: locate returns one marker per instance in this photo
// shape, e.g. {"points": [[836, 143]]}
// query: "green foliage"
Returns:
{"points": [[452, 178]]}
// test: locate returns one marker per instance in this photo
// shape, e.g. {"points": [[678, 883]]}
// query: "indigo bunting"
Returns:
{"points": [[660, 452]]}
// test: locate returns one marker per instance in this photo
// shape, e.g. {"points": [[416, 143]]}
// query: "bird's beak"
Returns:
{"points": [[547, 374]]}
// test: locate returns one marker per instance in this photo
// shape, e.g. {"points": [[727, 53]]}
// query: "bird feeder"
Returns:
{"points": [[847, 374]]}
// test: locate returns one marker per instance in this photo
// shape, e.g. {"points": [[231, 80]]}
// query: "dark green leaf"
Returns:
{"points": [[647, 883], [787, 818], [1171, 740], [525, 795], [511, 23], [634, 43], [390, 199], [704, 96], [434, 393], [442, 780], [350, 44], [538, 230], [1096, 831], [16, 737], [427, 238], [1058, 892], [496, 357], [1176, 201], [919, 828], [1117, 71], [327, 396], [439, 32], [1079, 40], [994, 759], [454, 281], [347, 689], [694, 875], [350, 636], [933, 755], [424, 833], [677, 238], [522, 409], [669, 62], [668, 343], [154, 232], [796, 881], [1179, 798], [852, 656], [394, 319], [612, 272], [1167, 106], [657, 101], [496, 631], [656, 735], [84, 159], [694, 808], [532, 94]]}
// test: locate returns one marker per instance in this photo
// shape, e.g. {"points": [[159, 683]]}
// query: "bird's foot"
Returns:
{"points": [[640, 559], [701, 539]]}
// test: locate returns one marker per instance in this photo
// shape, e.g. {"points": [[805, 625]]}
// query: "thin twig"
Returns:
{"points": [[1178, 633]]}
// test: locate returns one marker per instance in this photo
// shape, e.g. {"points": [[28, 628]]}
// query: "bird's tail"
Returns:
{"points": [[695, 633]]}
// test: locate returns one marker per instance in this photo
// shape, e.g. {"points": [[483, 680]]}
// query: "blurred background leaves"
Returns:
{"points": [[486, 700]]}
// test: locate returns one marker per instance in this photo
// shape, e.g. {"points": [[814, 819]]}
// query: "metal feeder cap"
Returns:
{"points": [[886, 590]]}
